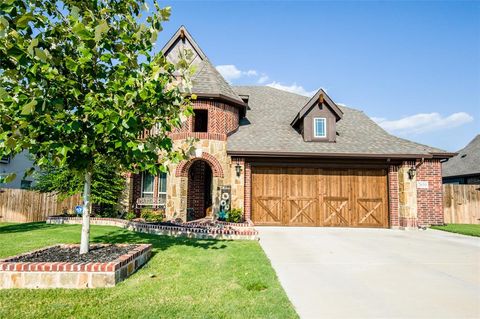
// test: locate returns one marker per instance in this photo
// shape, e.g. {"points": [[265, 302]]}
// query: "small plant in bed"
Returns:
{"points": [[152, 216]]}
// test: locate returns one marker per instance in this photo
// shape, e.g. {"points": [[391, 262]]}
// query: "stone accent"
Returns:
{"points": [[412, 205], [35, 275], [407, 193], [244, 232]]}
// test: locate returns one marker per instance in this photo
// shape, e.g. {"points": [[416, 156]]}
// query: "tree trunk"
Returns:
{"points": [[86, 214]]}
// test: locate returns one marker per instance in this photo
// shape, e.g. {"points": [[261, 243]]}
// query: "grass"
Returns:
{"points": [[185, 278], [464, 229]]}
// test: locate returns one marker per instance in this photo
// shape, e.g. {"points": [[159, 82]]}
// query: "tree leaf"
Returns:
{"points": [[81, 31], [28, 108], [100, 29], [39, 53], [8, 178]]}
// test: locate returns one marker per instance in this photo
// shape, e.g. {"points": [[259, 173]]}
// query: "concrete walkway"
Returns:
{"points": [[376, 273]]}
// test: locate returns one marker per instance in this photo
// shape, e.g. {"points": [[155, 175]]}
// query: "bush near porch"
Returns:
{"points": [[185, 278]]}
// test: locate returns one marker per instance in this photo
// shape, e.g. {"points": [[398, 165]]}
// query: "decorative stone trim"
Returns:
{"points": [[247, 233], [184, 166], [34, 275], [247, 223], [198, 135]]}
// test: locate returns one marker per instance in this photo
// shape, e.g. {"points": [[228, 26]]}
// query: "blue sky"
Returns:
{"points": [[412, 66]]}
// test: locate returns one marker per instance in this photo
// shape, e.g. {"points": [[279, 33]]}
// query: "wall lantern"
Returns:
{"points": [[238, 169], [411, 172], [198, 152]]}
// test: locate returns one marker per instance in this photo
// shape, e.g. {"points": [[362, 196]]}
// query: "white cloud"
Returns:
{"points": [[294, 88], [263, 78], [231, 72], [423, 122]]}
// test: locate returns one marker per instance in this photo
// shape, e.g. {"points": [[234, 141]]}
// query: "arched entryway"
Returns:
{"points": [[199, 190]]}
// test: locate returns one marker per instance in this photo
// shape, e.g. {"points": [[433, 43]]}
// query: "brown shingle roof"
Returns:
{"points": [[467, 162], [267, 129]]}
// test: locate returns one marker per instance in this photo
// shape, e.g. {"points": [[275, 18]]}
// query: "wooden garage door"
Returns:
{"points": [[319, 197]]}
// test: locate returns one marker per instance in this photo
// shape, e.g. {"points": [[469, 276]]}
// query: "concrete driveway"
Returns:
{"points": [[376, 273]]}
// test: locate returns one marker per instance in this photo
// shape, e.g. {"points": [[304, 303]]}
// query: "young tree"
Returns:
{"points": [[79, 83]]}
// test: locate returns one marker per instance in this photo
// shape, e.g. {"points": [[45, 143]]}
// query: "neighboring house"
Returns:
{"points": [[18, 165], [464, 168], [286, 159]]}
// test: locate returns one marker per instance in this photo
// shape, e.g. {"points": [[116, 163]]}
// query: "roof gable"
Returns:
{"points": [[321, 97], [207, 81]]}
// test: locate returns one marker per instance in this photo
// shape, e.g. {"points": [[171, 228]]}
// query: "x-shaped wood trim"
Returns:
{"points": [[302, 210], [371, 211], [267, 210], [336, 212]]}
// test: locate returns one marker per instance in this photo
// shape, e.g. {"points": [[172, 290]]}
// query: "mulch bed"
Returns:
{"points": [[100, 254]]}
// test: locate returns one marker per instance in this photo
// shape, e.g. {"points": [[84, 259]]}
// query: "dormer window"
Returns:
{"points": [[200, 121], [320, 127]]}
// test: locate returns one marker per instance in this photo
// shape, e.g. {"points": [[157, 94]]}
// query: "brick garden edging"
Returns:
{"points": [[241, 233], [34, 275]]}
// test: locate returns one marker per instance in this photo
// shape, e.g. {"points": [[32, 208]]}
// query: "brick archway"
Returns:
{"points": [[183, 167]]}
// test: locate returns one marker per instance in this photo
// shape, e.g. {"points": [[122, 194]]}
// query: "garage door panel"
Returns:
{"points": [[300, 196], [319, 197]]}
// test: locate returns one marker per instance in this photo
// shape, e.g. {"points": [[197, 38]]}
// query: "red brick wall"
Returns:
{"points": [[248, 191], [223, 119], [137, 189], [393, 195], [430, 201], [196, 188]]}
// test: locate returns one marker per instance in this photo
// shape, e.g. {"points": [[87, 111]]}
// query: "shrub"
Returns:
{"points": [[151, 215], [130, 216], [235, 215], [108, 211]]}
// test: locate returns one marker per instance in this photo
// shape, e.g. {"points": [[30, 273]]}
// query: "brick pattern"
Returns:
{"points": [[183, 168], [71, 275], [9, 264], [430, 201], [248, 191], [197, 180], [393, 195], [136, 190], [222, 233], [223, 120]]}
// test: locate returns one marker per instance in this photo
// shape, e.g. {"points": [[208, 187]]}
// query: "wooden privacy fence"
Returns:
{"points": [[19, 205], [461, 204]]}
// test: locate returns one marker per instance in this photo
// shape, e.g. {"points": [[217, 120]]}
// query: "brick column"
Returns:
{"points": [[393, 195], [430, 198], [248, 191]]}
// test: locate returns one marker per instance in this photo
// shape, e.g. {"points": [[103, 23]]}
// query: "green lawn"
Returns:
{"points": [[464, 229], [185, 278]]}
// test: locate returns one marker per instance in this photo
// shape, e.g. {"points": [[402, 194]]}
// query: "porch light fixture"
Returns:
{"points": [[411, 172], [238, 169]]}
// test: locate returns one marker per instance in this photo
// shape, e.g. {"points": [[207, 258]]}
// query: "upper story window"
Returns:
{"points": [[320, 127], [200, 121]]}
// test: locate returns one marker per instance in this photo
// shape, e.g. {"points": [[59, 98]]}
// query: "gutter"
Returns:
{"points": [[338, 155]]}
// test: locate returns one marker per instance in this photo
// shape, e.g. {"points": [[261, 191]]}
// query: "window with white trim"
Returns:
{"points": [[147, 184], [162, 188], [319, 127], [148, 189]]}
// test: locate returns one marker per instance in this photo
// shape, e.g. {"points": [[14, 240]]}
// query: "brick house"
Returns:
{"points": [[286, 159]]}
